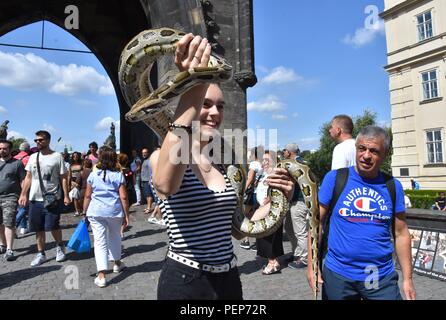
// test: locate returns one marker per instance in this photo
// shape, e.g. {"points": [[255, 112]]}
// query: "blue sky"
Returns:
{"points": [[311, 64]]}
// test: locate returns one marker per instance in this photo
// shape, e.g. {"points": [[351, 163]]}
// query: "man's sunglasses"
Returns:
{"points": [[39, 140]]}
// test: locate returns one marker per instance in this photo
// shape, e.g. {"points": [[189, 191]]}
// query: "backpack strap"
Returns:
{"points": [[340, 182], [390, 184]]}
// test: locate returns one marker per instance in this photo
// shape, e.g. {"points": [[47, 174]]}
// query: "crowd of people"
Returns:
{"points": [[359, 204], [31, 177]]}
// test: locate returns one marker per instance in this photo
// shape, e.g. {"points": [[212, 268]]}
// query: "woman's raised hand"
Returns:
{"points": [[192, 51]]}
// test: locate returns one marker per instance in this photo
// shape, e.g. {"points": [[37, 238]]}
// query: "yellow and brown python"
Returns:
{"points": [[155, 109]]}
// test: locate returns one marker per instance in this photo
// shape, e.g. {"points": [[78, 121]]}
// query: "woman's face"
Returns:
{"points": [[267, 161], [211, 114]]}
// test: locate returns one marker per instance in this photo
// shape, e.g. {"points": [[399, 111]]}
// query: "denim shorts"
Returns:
{"points": [[42, 219], [147, 190], [181, 282], [8, 210], [337, 287]]}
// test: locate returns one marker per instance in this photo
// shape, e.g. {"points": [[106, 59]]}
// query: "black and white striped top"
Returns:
{"points": [[199, 220]]}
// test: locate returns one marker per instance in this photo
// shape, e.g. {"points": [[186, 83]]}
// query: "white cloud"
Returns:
{"points": [[262, 69], [31, 72], [310, 140], [365, 35], [85, 102], [105, 123], [15, 134], [3, 109], [384, 123], [279, 117], [48, 128], [310, 143], [295, 115], [281, 75], [270, 103]]}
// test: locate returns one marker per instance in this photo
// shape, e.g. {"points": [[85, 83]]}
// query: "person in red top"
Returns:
{"points": [[23, 155]]}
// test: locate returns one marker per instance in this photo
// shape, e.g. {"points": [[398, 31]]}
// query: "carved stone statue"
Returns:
{"points": [[3, 130], [111, 139]]}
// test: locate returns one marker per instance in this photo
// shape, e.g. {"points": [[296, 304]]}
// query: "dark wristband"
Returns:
{"points": [[180, 126]]}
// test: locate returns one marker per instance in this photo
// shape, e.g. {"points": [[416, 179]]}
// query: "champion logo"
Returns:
{"points": [[343, 212], [364, 204]]}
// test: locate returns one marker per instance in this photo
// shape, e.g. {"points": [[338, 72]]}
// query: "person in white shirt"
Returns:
{"points": [[54, 182], [254, 173], [407, 202], [344, 154]]}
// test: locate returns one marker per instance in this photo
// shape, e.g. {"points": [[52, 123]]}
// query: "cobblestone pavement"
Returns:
{"points": [[144, 250]]}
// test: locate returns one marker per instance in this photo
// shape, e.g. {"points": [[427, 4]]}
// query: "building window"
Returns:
{"points": [[434, 146], [430, 84], [404, 172], [425, 26]]}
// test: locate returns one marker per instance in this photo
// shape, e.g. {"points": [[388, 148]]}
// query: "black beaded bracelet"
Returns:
{"points": [[178, 126]]}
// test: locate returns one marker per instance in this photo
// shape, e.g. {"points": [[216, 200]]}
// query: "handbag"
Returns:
{"points": [[80, 240], [249, 197], [74, 193], [50, 200]]}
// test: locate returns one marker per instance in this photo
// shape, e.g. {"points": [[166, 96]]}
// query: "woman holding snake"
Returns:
{"points": [[197, 199]]}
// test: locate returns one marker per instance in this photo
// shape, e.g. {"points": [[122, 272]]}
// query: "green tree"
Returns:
{"points": [[16, 142], [320, 161]]}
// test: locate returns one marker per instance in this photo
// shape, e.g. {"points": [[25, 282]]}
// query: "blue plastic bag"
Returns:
{"points": [[80, 240]]}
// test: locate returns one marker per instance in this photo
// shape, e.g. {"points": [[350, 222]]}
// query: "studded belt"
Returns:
{"points": [[201, 266]]}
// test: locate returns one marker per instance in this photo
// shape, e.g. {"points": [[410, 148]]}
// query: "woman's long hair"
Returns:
{"points": [[74, 161], [108, 160], [123, 160]]}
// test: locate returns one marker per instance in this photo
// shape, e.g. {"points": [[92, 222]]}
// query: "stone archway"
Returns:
{"points": [[106, 26]]}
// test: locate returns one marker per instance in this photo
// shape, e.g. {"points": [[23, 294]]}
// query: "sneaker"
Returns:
{"points": [[77, 214], [23, 231], [160, 222], [298, 264], [60, 254], [38, 260], [9, 255], [117, 269], [101, 283], [2, 249], [152, 220], [253, 247], [245, 244]]}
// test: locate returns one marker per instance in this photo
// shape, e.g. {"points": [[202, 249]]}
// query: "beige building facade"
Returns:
{"points": [[416, 53]]}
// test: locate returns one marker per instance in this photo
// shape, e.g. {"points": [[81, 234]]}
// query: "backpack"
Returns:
{"points": [[340, 183]]}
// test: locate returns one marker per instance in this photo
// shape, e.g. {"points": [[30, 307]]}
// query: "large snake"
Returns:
{"points": [[155, 109]]}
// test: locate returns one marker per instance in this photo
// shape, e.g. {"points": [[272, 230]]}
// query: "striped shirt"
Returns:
{"points": [[199, 220]]}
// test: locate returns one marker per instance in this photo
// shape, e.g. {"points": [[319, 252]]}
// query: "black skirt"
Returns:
{"points": [[271, 246]]}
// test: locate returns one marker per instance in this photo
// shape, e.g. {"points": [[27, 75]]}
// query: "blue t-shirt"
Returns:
{"points": [[105, 201], [360, 226]]}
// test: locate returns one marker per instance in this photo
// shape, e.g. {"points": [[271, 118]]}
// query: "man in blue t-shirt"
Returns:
{"points": [[359, 263]]}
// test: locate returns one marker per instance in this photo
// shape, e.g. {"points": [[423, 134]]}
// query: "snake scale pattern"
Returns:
{"points": [[154, 108]]}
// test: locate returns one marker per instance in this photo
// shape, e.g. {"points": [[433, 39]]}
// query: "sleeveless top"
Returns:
{"points": [[199, 220]]}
